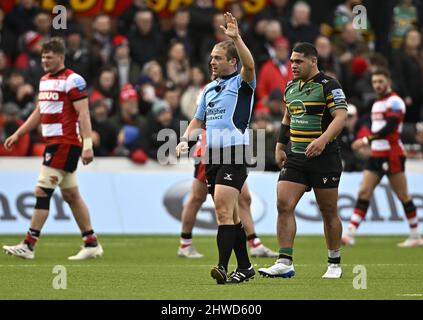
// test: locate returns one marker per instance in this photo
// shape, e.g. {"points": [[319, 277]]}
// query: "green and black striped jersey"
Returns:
{"points": [[309, 105]]}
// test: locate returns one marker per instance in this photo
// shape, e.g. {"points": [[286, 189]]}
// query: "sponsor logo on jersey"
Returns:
{"points": [[48, 95], [80, 84], [338, 95]]}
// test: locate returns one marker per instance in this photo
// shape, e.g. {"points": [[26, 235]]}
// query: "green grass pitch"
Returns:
{"points": [[147, 267]]}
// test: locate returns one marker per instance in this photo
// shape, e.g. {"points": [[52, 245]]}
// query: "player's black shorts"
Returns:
{"points": [[386, 165], [323, 171], [62, 156], [227, 166], [232, 175]]}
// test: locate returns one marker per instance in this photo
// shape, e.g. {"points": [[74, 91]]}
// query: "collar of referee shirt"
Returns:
{"points": [[228, 76]]}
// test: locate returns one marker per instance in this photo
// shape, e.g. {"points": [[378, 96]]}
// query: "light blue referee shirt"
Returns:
{"points": [[225, 106]]}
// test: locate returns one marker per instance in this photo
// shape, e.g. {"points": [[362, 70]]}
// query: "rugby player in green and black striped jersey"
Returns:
{"points": [[316, 110]]}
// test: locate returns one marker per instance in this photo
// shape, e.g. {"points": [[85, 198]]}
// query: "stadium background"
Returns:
{"points": [[163, 85]]}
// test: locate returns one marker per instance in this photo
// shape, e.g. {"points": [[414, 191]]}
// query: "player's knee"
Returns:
{"points": [[222, 210], [197, 199], [329, 212], [70, 196], [245, 200], [43, 196], [285, 207]]}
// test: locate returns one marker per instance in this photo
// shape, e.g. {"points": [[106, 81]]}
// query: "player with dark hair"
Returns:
{"points": [[63, 113], [316, 113], [387, 157]]}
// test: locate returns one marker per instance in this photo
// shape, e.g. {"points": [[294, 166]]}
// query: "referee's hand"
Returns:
{"points": [[181, 148]]}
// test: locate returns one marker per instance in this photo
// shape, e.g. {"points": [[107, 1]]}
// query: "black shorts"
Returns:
{"points": [[62, 156], [323, 171], [386, 165], [232, 175]]}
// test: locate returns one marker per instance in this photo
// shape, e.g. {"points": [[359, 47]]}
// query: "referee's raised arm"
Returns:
{"points": [[247, 61]]}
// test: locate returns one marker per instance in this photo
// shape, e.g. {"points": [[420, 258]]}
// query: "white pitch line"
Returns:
{"points": [[66, 264]]}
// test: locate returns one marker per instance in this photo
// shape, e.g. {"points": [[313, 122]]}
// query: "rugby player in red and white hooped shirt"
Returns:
{"points": [[387, 157], [63, 113]]}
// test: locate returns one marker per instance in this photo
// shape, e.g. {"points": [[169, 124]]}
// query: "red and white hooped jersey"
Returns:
{"points": [[59, 119], [389, 106]]}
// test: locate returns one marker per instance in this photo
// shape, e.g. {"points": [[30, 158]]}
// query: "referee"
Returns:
{"points": [[224, 109]]}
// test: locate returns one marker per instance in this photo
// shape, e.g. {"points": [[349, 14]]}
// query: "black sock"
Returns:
{"points": [[31, 238], [240, 247], [225, 243], [186, 235], [251, 236], [90, 238]]}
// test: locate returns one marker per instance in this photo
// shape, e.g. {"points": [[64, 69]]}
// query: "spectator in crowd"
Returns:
{"points": [[152, 72], [262, 121], [104, 134], [107, 88], [180, 31], [408, 74], [161, 117], [147, 95], [201, 24], [353, 130], [29, 61], [144, 41], [128, 70], [128, 122], [272, 31], [79, 58], [255, 40], [8, 39], [299, 27], [178, 66], [349, 44], [102, 36], [9, 123], [190, 95], [126, 19], [238, 12], [20, 20], [276, 10], [209, 41], [360, 73], [276, 72], [42, 24], [16, 90], [173, 97], [327, 60], [403, 19], [4, 67], [275, 105]]}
